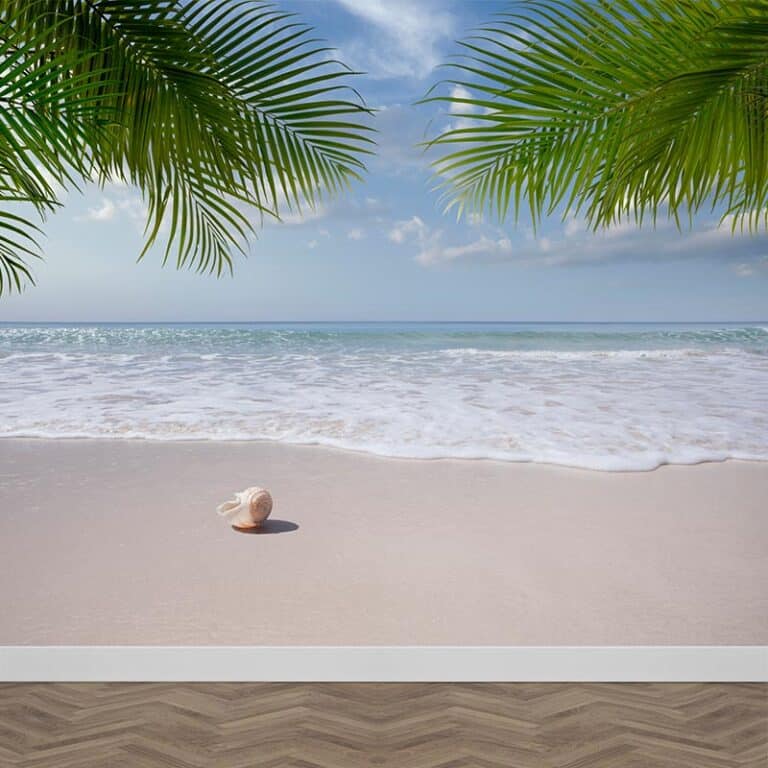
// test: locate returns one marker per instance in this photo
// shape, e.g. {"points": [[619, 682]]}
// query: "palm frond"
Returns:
{"points": [[48, 113], [308, 135], [18, 245], [621, 109], [219, 111]]}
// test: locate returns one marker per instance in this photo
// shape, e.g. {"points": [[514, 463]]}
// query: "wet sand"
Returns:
{"points": [[117, 542]]}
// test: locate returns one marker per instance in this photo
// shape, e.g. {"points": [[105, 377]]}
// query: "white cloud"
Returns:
{"points": [[120, 202], [106, 212], [574, 244], [475, 219], [720, 235], [574, 225], [405, 39], [753, 268], [312, 244], [433, 253], [348, 209], [290, 212], [463, 113], [415, 230], [459, 92], [356, 234], [403, 230], [294, 217], [134, 208]]}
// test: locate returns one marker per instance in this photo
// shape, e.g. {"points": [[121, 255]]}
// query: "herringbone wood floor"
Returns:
{"points": [[243, 725]]}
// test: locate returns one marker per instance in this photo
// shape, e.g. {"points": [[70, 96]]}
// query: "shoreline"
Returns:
{"points": [[372, 454], [116, 542]]}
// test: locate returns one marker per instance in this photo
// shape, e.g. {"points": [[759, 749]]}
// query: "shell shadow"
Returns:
{"points": [[268, 527]]}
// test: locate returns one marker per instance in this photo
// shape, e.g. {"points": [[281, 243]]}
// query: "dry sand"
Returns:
{"points": [[110, 542]]}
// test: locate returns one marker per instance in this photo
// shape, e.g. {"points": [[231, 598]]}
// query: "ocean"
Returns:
{"points": [[599, 396]]}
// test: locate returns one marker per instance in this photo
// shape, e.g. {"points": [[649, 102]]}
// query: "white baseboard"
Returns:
{"points": [[383, 664]]}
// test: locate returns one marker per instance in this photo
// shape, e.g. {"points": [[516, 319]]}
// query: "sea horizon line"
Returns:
{"points": [[384, 322]]}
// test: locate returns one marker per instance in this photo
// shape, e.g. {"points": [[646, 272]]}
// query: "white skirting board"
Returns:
{"points": [[383, 664]]}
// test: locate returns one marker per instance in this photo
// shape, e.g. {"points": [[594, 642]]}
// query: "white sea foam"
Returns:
{"points": [[599, 399]]}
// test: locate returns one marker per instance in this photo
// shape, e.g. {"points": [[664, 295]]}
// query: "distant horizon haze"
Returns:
{"points": [[443, 321]]}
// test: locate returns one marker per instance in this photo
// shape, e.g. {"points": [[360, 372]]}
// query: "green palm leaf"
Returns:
{"points": [[46, 112], [219, 111], [621, 109]]}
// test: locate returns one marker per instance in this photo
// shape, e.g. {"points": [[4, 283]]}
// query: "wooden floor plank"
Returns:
{"points": [[489, 725]]}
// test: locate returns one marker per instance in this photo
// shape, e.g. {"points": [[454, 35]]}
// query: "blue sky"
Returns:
{"points": [[385, 251]]}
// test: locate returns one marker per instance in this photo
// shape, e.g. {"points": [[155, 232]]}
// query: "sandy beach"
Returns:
{"points": [[117, 542]]}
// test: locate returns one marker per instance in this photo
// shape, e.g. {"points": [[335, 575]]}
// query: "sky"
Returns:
{"points": [[386, 250]]}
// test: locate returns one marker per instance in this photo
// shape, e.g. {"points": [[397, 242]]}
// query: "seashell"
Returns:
{"points": [[249, 509]]}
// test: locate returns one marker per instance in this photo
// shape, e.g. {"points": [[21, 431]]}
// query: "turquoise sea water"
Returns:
{"points": [[604, 396]]}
